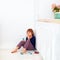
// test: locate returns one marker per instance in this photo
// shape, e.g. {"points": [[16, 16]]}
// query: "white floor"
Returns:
{"points": [[7, 55]]}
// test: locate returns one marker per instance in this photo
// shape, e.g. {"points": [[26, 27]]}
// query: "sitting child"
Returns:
{"points": [[29, 44]]}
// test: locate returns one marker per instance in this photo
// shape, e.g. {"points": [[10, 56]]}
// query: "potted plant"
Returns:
{"points": [[56, 10]]}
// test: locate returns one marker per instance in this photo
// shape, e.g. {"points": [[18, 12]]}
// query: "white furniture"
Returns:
{"points": [[48, 38]]}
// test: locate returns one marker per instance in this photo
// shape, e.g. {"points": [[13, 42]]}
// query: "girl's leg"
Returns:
{"points": [[21, 44], [18, 46], [28, 45]]}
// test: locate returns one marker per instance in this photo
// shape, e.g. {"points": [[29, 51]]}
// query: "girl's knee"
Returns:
{"points": [[22, 41]]}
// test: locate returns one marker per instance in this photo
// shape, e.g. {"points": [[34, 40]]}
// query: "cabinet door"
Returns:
{"points": [[56, 55], [46, 34]]}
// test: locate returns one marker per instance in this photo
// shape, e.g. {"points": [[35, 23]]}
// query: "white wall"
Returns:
{"points": [[16, 16]]}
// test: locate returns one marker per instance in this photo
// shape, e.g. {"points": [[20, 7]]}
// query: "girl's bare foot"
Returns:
{"points": [[14, 50], [23, 50]]}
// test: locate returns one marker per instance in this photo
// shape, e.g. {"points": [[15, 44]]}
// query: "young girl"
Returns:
{"points": [[29, 44]]}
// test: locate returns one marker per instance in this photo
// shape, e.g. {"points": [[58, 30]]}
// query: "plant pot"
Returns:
{"points": [[57, 15]]}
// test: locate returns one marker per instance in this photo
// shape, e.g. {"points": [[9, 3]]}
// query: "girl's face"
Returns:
{"points": [[29, 34]]}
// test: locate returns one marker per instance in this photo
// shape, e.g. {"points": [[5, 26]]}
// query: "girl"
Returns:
{"points": [[29, 44]]}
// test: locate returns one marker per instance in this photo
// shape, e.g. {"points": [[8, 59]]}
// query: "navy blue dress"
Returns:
{"points": [[33, 41]]}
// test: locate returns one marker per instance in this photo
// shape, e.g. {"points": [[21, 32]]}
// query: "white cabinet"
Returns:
{"points": [[48, 40]]}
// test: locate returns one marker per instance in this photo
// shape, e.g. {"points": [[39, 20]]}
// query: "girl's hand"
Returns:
{"points": [[29, 37]]}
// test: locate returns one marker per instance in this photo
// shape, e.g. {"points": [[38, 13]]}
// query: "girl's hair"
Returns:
{"points": [[31, 30]]}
